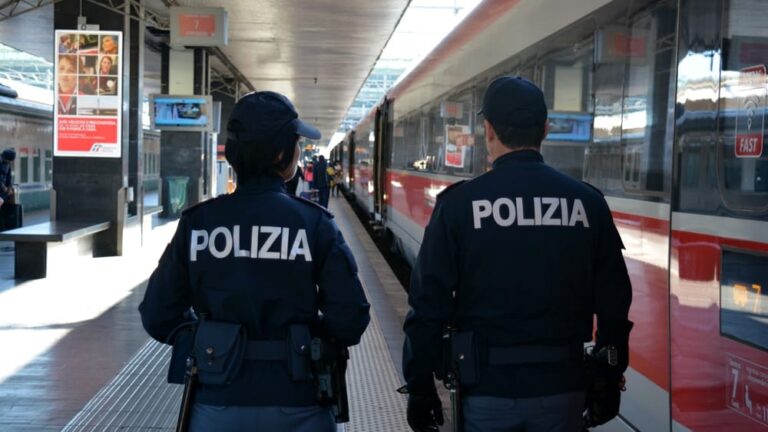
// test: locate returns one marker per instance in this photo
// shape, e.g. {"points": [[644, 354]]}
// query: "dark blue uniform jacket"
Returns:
{"points": [[531, 255], [267, 260]]}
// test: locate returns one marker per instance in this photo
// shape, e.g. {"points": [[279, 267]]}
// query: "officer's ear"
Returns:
{"points": [[490, 132]]}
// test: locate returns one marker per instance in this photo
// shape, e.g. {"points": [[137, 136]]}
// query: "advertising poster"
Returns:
{"points": [[456, 144], [88, 77]]}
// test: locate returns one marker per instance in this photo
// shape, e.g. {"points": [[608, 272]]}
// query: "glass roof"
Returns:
{"points": [[19, 66], [423, 25]]}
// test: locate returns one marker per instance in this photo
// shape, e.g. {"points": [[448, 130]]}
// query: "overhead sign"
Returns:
{"points": [[197, 26], [750, 121], [88, 77]]}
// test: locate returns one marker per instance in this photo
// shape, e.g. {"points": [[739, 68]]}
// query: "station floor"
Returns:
{"points": [[74, 356]]}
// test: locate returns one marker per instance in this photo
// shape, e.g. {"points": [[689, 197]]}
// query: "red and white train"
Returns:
{"points": [[661, 105]]}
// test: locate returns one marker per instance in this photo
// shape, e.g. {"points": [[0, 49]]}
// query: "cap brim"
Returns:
{"points": [[307, 130]]}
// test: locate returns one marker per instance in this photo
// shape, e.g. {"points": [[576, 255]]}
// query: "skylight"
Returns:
{"points": [[424, 24]]}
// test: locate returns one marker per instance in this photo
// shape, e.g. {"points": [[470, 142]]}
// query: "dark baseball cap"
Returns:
{"points": [[514, 102], [261, 115]]}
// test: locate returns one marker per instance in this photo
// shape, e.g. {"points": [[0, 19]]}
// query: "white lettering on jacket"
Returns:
{"points": [[266, 242], [547, 211]]}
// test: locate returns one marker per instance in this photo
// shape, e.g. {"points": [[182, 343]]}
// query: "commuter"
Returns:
{"points": [[293, 184], [337, 178], [268, 261], [515, 263], [321, 180], [331, 178], [10, 211]]}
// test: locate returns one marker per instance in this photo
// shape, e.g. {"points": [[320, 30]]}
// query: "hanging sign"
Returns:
{"points": [[88, 93], [198, 26], [750, 121]]}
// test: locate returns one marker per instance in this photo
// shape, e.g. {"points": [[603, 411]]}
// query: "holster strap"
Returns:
{"points": [[267, 350], [530, 354]]}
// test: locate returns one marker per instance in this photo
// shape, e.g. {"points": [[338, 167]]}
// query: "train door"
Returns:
{"points": [[382, 151], [719, 257], [350, 168]]}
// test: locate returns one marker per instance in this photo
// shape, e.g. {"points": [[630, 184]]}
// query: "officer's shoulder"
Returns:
{"points": [[312, 204], [593, 187], [451, 188], [198, 206]]}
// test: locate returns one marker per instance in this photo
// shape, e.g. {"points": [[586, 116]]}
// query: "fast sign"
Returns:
{"points": [[750, 122]]}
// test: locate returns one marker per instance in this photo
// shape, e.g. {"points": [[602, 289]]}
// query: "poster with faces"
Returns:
{"points": [[88, 93]]}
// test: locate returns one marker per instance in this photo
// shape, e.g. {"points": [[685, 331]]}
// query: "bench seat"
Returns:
{"points": [[34, 243]]}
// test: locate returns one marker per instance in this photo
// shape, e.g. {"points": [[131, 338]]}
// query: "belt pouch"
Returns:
{"points": [[298, 352], [464, 353], [182, 339], [219, 351]]}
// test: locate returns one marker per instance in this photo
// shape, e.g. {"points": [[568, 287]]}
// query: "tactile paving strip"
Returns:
{"points": [[372, 381], [137, 399]]}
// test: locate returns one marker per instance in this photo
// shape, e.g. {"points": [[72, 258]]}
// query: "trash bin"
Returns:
{"points": [[176, 196]]}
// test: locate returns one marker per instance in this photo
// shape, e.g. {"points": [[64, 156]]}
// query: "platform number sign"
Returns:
{"points": [[747, 388], [750, 122]]}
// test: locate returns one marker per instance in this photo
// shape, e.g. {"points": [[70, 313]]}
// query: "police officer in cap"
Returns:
{"points": [[517, 260], [264, 259]]}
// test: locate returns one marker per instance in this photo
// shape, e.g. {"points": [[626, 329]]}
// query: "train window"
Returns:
{"points": [[23, 156], [647, 113], [456, 120], [567, 85], [743, 167], [37, 165], [631, 152], [407, 145], [48, 166], [744, 297]]}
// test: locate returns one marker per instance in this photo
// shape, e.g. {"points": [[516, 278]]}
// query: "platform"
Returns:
{"points": [[82, 362]]}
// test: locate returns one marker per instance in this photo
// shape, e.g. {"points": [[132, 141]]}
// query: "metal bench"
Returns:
{"points": [[64, 239]]}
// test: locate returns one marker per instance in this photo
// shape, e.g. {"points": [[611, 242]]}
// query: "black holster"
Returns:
{"points": [[603, 395], [329, 364]]}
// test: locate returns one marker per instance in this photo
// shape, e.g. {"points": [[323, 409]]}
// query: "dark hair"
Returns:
{"points": [[516, 137], [8, 154], [258, 158]]}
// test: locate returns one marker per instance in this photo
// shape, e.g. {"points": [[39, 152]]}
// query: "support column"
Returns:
{"points": [[95, 188], [184, 154], [135, 52]]}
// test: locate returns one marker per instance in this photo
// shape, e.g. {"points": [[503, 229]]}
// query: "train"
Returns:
{"points": [[661, 105], [26, 125]]}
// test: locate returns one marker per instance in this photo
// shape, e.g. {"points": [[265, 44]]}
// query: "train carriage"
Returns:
{"points": [[661, 105]]}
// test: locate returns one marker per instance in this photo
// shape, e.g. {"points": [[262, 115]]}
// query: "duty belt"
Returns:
{"points": [[266, 350], [527, 354]]}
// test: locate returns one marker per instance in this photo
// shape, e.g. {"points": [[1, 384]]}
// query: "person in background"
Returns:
{"points": [[6, 176], [337, 178], [321, 180], [293, 184], [331, 177]]}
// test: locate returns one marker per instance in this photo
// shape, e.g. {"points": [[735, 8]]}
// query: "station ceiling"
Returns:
{"points": [[316, 52]]}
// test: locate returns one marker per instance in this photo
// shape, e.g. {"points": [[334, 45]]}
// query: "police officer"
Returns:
{"points": [[517, 260], [267, 260]]}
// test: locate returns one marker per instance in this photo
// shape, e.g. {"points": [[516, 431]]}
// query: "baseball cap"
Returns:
{"points": [[262, 115], [8, 154], [514, 102]]}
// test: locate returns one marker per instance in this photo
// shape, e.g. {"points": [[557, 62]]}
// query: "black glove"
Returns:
{"points": [[425, 412]]}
